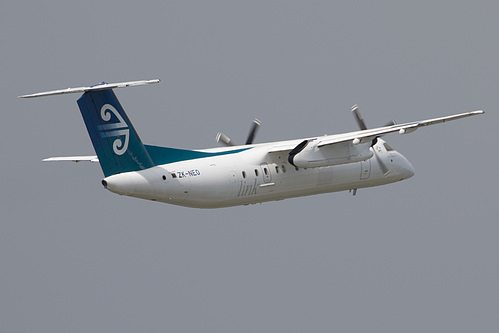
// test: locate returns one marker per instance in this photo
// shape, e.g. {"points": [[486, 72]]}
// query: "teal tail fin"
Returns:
{"points": [[115, 141]]}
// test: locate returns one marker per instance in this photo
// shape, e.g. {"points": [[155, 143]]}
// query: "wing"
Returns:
{"points": [[77, 159], [370, 134], [349, 147]]}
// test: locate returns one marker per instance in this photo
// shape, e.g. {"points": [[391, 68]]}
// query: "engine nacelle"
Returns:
{"points": [[309, 155]]}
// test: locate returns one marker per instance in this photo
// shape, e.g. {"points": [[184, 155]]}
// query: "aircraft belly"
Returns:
{"points": [[206, 183]]}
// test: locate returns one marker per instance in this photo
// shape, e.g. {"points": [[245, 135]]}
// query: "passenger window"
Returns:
{"points": [[256, 172], [283, 168], [244, 174]]}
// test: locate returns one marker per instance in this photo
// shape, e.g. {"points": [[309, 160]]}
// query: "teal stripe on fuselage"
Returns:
{"points": [[165, 155]]}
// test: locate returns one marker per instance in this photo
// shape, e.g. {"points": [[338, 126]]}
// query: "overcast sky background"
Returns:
{"points": [[417, 256]]}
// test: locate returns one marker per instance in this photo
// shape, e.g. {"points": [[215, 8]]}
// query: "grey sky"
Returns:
{"points": [[416, 256]]}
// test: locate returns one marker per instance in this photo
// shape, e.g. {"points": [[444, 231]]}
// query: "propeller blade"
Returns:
{"points": [[254, 128], [382, 165], [358, 117], [362, 125], [224, 139], [391, 123]]}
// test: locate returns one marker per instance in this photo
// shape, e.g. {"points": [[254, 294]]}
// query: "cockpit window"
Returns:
{"points": [[388, 148]]}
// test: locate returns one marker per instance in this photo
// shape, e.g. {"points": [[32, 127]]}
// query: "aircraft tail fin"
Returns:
{"points": [[113, 136], [116, 143]]}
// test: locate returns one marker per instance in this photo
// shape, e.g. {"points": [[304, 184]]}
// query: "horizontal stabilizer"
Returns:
{"points": [[92, 159], [100, 86]]}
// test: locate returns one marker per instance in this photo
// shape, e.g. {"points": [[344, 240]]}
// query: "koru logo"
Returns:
{"points": [[114, 129]]}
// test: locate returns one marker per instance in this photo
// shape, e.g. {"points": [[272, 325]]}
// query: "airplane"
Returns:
{"points": [[235, 174]]}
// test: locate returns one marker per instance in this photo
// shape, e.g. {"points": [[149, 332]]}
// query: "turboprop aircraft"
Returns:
{"points": [[235, 175]]}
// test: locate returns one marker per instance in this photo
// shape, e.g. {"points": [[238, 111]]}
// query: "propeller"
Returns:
{"points": [[225, 140], [362, 125], [358, 117], [382, 165], [254, 128]]}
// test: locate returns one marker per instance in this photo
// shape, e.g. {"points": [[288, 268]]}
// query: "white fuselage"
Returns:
{"points": [[253, 176]]}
